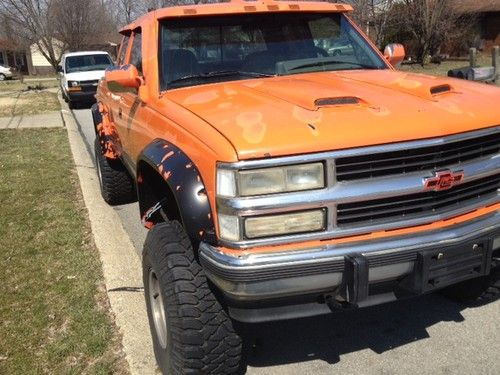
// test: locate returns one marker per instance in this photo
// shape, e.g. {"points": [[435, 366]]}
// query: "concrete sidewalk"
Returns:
{"points": [[45, 120], [121, 264]]}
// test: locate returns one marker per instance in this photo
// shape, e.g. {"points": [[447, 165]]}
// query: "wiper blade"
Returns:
{"points": [[324, 63], [220, 73], [223, 73]]}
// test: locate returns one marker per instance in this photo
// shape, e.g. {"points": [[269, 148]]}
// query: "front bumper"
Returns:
{"points": [[82, 96], [349, 272]]}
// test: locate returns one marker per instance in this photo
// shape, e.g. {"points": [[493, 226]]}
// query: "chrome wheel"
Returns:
{"points": [[157, 309]]}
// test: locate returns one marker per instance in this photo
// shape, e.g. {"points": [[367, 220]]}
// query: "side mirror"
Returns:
{"points": [[395, 53], [59, 69], [123, 78]]}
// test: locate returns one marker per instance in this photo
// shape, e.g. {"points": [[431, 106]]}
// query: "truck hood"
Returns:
{"points": [[324, 111]]}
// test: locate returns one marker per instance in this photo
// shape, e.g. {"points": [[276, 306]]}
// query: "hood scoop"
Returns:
{"points": [[341, 100], [441, 89]]}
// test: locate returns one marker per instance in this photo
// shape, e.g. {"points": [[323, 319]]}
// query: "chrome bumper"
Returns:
{"points": [[258, 277]]}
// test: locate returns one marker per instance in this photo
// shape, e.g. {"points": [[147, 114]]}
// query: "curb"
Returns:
{"points": [[122, 267]]}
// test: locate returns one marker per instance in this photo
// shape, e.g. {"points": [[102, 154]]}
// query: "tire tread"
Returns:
{"points": [[117, 186], [203, 340]]}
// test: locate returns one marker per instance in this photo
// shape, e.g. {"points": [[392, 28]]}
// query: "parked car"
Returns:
{"points": [[341, 48], [284, 182], [80, 73], [6, 73]]}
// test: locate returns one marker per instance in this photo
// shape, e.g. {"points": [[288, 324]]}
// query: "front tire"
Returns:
{"points": [[117, 186], [191, 331]]}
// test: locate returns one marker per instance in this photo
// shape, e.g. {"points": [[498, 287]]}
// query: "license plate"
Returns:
{"points": [[441, 267]]}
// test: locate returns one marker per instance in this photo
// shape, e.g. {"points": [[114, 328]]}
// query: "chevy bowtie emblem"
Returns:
{"points": [[443, 180]]}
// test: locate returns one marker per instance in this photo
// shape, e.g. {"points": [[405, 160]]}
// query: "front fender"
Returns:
{"points": [[186, 184]]}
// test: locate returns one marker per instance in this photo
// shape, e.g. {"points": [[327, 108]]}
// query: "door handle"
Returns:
{"points": [[119, 112]]}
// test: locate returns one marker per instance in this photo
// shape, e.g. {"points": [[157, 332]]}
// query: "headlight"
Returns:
{"points": [[279, 225], [73, 83], [270, 180]]}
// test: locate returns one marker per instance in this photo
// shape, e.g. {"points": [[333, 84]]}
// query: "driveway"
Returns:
{"points": [[425, 335]]}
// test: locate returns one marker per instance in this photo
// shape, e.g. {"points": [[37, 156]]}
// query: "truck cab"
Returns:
{"points": [[285, 168]]}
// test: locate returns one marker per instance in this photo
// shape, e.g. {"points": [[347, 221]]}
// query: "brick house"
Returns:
{"points": [[488, 20]]}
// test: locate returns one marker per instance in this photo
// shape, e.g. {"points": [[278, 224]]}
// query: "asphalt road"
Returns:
{"points": [[425, 335]]}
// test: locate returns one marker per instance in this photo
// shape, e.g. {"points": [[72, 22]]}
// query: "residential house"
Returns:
{"points": [[37, 63], [488, 20], [13, 56]]}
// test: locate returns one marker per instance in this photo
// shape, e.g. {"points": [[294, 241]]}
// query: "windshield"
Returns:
{"points": [[86, 63], [214, 49]]}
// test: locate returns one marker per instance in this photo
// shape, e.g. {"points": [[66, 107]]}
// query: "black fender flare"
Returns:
{"points": [[96, 116], [185, 182]]}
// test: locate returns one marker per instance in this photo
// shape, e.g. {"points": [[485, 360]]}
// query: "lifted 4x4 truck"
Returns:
{"points": [[279, 180]]}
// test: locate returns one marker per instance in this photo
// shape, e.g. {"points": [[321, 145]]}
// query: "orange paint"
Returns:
{"points": [[277, 116]]}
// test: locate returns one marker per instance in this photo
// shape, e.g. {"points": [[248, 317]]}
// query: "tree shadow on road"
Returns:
{"points": [[379, 328], [83, 104]]}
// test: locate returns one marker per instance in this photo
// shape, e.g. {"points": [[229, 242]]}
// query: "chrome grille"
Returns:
{"points": [[414, 205], [413, 160], [380, 203], [89, 86]]}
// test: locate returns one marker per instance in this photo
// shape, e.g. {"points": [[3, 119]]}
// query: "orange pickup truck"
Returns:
{"points": [[282, 176]]}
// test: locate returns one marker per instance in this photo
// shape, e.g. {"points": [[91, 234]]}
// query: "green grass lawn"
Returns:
{"points": [[442, 69], [54, 312], [16, 85], [28, 103]]}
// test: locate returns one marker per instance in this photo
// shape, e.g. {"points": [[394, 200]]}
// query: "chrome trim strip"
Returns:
{"points": [[353, 191]]}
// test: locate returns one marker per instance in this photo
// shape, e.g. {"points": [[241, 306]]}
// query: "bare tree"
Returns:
{"points": [[373, 16], [32, 20], [126, 11], [430, 22], [81, 22]]}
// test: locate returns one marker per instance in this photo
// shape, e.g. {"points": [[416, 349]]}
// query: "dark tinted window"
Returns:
{"points": [[205, 50], [136, 53], [123, 51], [86, 63]]}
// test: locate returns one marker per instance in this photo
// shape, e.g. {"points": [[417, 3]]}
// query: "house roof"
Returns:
{"points": [[477, 6]]}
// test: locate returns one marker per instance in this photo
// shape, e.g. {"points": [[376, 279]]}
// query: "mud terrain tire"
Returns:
{"points": [[193, 334], [117, 186]]}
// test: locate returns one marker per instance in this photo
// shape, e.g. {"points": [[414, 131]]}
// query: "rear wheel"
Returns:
{"points": [[117, 186], [191, 331]]}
